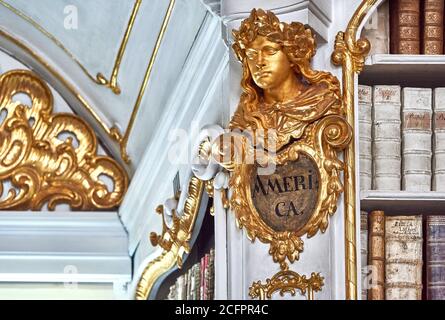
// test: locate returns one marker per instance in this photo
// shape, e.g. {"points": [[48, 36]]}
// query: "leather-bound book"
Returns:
{"points": [[364, 251], [405, 26], [376, 256], [439, 140], [377, 30], [403, 255], [435, 258], [417, 139], [365, 141], [433, 27], [386, 149]]}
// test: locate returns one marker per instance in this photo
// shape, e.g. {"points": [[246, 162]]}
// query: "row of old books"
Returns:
{"points": [[393, 264], [407, 27], [198, 283], [402, 138]]}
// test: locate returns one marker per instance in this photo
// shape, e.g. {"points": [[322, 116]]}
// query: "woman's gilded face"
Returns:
{"points": [[268, 64]]}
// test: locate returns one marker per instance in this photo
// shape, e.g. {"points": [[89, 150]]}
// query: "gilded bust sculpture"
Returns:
{"points": [[302, 111], [280, 90]]}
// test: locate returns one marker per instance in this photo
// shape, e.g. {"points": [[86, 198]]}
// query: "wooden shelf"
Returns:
{"points": [[403, 202], [405, 70]]}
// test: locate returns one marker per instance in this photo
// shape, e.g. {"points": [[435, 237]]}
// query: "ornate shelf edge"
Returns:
{"points": [[175, 240], [350, 53], [402, 195], [397, 59]]}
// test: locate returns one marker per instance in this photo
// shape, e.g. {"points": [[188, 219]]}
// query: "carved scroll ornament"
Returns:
{"points": [[48, 158]]}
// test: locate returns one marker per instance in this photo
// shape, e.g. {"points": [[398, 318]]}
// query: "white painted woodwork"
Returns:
{"points": [[63, 247], [403, 202]]}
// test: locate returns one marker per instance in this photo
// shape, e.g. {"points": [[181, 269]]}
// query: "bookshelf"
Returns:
{"points": [[405, 70], [403, 202], [415, 71]]}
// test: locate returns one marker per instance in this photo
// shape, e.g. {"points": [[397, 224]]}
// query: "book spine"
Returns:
{"points": [[417, 139], [202, 270], [403, 253], [365, 141], [433, 27], [386, 127], [212, 275], [405, 26], [206, 271], [439, 140], [364, 251], [377, 30], [435, 258], [377, 255]]}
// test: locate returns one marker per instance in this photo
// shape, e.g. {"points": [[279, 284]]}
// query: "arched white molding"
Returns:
{"points": [[316, 14]]}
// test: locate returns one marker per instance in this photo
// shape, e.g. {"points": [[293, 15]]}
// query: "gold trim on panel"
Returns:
{"points": [[114, 131], [114, 134], [350, 53], [144, 85], [174, 240], [287, 282], [48, 158], [112, 83], [100, 78]]}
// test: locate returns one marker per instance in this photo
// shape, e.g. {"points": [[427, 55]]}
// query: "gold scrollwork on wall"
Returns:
{"points": [[49, 158], [177, 231]]}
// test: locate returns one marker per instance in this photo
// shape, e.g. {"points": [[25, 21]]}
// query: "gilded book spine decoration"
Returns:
{"points": [[365, 127], [417, 139], [435, 258], [364, 251], [377, 30], [439, 140], [403, 251], [405, 26], [377, 255], [433, 27], [387, 142]]}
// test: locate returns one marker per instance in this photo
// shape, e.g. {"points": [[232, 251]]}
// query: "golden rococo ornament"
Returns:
{"points": [[288, 114], [177, 230], [287, 282], [49, 158]]}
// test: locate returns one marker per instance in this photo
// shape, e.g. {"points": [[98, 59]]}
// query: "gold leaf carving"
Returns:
{"points": [[39, 156], [287, 282], [174, 240]]}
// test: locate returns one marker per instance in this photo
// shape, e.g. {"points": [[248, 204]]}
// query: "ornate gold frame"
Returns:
{"points": [[174, 240], [350, 52], [322, 141]]}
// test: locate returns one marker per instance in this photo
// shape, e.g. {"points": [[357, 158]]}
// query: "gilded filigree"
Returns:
{"points": [[176, 233], [49, 158], [287, 282]]}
